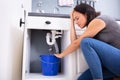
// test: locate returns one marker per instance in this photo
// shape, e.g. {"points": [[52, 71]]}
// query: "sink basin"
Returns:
{"points": [[49, 15]]}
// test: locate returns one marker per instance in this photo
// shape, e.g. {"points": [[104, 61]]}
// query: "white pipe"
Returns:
{"points": [[59, 32], [48, 37], [58, 36], [52, 36]]}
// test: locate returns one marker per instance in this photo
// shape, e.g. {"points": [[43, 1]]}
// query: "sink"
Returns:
{"points": [[49, 15]]}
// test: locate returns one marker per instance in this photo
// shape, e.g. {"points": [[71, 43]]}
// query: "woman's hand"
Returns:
{"points": [[58, 55]]}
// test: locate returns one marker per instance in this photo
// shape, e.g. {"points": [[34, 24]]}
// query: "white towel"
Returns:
{"points": [[66, 2]]}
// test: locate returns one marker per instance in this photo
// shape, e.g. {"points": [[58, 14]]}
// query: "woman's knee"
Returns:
{"points": [[85, 41]]}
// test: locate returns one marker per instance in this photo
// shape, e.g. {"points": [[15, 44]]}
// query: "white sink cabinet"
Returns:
{"points": [[35, 31]]}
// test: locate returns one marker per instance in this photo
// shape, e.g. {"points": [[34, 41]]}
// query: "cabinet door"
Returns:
{"points": [[10, 39]]}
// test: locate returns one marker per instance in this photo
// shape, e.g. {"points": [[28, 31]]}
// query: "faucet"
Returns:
{"points": [[56, 10]]}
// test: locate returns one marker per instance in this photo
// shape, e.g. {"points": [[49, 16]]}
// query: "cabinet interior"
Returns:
{"points": [[37, 45]]}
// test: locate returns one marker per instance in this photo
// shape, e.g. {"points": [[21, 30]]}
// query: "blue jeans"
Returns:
{"points": [[100, 55]]}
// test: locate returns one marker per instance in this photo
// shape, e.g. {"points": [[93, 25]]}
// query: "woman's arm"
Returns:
{"points": [[73, 35], [94, 27]]}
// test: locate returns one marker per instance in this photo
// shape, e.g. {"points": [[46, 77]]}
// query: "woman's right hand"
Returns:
{"points": [[58, 55]]}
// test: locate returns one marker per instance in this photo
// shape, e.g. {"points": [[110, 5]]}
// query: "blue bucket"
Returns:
{"points": [[49, 64]]}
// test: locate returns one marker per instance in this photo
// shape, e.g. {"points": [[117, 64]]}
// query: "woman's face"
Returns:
{"points": [[80, 19]]}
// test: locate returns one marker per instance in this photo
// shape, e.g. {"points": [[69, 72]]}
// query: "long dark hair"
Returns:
{"points": [[87, 10]]}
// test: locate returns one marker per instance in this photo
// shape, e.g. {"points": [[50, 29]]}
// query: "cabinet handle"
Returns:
{"points": [[48, 22], [21, 22]]}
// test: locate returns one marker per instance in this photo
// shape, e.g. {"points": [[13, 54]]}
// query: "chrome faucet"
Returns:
{"points": [[56, 10]]}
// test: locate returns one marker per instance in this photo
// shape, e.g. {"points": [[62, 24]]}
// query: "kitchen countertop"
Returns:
{"points": [[52, 15], [49, 15]]}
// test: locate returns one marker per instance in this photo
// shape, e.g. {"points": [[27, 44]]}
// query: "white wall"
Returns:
{"points": [[5, 59], [109, 7]]}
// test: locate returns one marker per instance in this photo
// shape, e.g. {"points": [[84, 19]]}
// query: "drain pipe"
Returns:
{"points": [[50, 38]]}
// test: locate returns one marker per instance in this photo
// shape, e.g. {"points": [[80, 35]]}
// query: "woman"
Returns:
{"points": [[100, 43]]}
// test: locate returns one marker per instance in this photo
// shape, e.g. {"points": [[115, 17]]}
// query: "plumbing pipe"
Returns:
{"points": [[56, 47], [58, 36], [59, 32], [49, 38]]}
